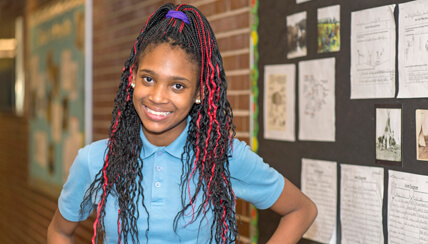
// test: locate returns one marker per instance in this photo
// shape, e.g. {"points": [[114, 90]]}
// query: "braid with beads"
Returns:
{"points": [[210, 134]]}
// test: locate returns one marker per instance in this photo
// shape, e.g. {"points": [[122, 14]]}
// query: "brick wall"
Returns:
{"points": [[25, 212]]}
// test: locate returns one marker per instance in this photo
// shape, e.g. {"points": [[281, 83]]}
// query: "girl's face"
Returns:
{"points": [[166, 82]]}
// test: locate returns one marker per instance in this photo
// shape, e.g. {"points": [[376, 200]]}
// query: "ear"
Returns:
{"points": [[134, 75], [198, 98]]}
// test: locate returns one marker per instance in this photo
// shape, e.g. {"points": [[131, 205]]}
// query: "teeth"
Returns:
{"points": [[157, 113]]}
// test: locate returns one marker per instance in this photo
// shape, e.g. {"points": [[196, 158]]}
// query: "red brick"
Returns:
{"points": [[236, 62], [238, 82], [237, 4], [233, 22], [234, 42]]}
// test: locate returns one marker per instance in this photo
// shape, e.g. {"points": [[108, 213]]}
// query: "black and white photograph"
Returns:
{"points": [[388, 134], [422, 134], [296, 35]]}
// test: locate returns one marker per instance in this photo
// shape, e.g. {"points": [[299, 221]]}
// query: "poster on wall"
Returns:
{"points": [[279, 102], [373, 53], [388, 134], [422, 134], [361, 198], [319, 183], [407, 207], [296, 35], [413, 49], [317, 100], [329, 29], [56, 51]]}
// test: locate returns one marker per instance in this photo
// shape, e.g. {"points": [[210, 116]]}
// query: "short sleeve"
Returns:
{"points": [[72, 194], [252, 179]]}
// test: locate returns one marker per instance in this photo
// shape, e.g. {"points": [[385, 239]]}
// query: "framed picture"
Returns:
{"points": [[388, 134], [422, 134], [279, 102]]}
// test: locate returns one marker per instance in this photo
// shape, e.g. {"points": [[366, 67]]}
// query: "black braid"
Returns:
{"points": [[212, 120]]}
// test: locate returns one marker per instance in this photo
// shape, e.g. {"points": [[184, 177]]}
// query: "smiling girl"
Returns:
{"points": [[171, 169]]}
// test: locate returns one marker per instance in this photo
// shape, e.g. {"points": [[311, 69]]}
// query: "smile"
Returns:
{"points": [[157, 113]]}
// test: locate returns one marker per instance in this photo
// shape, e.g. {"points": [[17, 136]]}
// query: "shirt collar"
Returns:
{"points": [[175, 148]]}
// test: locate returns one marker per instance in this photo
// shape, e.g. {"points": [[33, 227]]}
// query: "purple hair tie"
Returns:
{"points": [[177, 15]]}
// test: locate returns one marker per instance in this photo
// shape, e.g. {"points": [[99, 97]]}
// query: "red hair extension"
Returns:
{"points": [[199, 116], [181, 26], [194, 168], [118, 223], [224, 222], [101, 203], [179, 6]]}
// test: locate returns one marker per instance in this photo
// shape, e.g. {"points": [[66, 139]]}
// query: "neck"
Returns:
{"points": [[165, 138]]}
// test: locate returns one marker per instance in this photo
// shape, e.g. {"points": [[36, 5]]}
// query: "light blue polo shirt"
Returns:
{"points": [[251, 179]]}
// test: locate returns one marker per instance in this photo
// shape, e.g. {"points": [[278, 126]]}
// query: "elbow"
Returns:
{"points": [[312, 211]]}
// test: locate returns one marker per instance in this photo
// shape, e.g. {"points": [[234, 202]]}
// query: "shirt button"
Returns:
{"points": [[158, 184], [159, 153], [158, 168]]}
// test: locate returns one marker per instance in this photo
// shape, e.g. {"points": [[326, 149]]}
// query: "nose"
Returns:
{"points": [[159, 94]]}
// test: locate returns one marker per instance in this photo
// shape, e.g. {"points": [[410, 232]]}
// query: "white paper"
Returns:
{"points": [[407, 208], [317, 100], [413, 49], [279, 102], [296, 35], [373, 53], [319, 183], [361, 197], [302, 1]]}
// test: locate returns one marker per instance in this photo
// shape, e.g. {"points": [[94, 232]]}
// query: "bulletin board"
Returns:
{"points": [[56, 88], [356, 138]]}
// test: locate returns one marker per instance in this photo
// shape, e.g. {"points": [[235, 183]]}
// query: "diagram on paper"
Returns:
{"points": [[316, 93], [371, 58], [407, 208]]}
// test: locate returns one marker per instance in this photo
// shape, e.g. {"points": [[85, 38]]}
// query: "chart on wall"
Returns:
{"points": [[56, 87]]}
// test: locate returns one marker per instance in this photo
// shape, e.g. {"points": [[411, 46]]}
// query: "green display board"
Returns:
{"points": [[56, 58]]}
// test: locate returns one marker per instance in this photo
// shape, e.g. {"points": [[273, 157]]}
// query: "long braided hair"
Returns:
{"points": [[208, 143]]}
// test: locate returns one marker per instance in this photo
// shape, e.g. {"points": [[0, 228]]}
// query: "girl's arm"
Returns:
{"points": [[297, 211], [61, 230]]}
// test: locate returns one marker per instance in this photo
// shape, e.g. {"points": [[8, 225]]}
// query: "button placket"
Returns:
{"points": [[157, 191], [157, 179]]}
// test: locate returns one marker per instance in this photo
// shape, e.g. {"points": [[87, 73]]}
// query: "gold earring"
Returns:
{"points": [[133, 85], [198, 101]]}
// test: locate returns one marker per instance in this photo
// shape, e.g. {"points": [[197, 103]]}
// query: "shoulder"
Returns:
{"points": [[243, 159], [240, 150], [92, 156]]}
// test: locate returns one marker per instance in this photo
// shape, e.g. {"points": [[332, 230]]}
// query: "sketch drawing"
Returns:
{"points": [[316, 92]]}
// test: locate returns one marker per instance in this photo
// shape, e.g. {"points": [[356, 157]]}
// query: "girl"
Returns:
{"points": [[171, 169]]}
